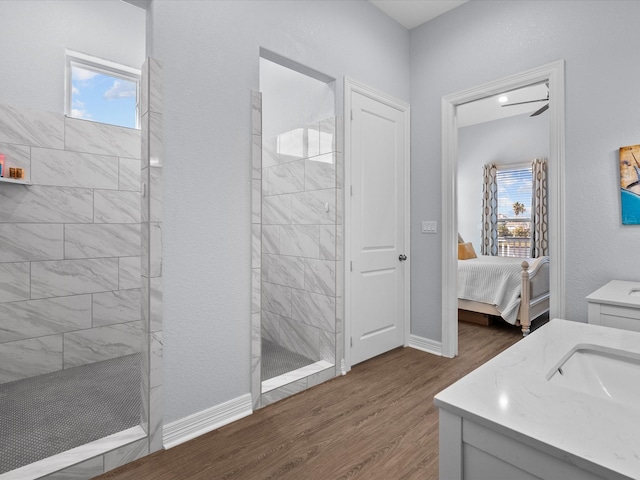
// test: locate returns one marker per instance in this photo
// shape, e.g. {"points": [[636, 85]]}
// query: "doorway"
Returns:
{"points": [[296, 224], [553, 74]]}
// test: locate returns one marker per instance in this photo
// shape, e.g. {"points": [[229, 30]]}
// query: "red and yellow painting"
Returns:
{"points": [[630, 184]]}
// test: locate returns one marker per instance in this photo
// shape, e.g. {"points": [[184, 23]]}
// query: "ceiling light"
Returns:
{"points": [[503, 99]]}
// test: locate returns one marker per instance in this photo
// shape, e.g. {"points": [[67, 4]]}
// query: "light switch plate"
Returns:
{"points": [[429, 226]]}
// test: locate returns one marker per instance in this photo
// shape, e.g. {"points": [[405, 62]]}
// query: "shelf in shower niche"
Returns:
{"points": [[14, 180]]}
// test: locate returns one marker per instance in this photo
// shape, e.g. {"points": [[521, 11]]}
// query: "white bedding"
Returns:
{"points": [[492, 280]]}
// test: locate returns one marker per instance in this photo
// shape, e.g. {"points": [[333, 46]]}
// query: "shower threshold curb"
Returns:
{"points": [[76, 455], [292, 376]]}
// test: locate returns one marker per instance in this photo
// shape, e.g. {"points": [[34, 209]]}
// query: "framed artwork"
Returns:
{"points": [[630, 184]]}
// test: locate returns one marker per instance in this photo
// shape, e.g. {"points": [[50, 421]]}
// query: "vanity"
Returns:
{"points": [[616, 304], [562, 403]]}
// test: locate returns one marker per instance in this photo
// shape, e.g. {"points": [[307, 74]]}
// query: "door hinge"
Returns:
{"points": [[351, 190], [352, 115], [351, 338], [351, 266]]}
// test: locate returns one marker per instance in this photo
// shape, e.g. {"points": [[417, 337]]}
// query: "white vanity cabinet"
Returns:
{"points": [[470, 451], [507, 420], [617, 305]]}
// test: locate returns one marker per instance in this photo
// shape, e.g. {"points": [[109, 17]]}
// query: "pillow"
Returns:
{"points": [[460, 240], [466, 251]]}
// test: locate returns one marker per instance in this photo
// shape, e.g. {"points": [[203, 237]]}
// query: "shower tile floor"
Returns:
{"points": [[281, 366], [49, 414], [277, 360]]}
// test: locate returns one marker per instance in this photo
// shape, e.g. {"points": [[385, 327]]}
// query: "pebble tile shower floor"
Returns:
{"points": [[277, 360], [49, 414]]}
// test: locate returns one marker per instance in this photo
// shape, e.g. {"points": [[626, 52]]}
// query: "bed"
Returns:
{"points": [[516, 289]]}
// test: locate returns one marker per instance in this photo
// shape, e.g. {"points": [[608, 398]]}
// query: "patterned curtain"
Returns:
{"points": [[489, 210], [539, 216]]}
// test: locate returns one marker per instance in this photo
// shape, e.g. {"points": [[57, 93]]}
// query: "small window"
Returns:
{"points": [[102, 91], [514, 211]]}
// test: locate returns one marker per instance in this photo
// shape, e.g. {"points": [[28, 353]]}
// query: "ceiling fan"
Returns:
{"points": [[537, 112]]}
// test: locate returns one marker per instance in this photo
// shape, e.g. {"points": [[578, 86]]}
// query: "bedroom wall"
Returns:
{"points": [[210, 55], [484, 40], [511, 140]]}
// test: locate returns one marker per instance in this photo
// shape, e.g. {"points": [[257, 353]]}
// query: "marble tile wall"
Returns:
{"points": [[299, 229], [70, 260], [297, 247]]}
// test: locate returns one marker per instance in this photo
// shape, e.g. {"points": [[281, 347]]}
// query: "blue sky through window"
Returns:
{"points": [[514, 186], [103, 98]]}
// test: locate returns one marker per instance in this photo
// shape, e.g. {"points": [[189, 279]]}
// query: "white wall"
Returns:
{"points": [[210, 53], [35, 34], [507, 141], [485, 40]]}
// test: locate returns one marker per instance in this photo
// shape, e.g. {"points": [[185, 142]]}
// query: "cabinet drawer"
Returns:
{"points": [[620, 322], [617, 311]]}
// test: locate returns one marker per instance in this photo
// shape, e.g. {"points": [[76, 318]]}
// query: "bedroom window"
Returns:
{"points": [[102, 91], [514, 210]]}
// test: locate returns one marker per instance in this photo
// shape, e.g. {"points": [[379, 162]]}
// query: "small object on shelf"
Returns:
{"points": [[12, 172], [1, 165], [19, 172]]}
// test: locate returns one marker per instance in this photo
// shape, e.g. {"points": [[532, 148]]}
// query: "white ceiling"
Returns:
{"points": [[411, 13]]}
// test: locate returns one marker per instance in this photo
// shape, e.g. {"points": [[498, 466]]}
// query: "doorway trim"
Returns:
{"points": [[554, 74], [353, 86]]}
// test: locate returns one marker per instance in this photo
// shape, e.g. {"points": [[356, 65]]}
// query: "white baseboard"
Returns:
{"points": [[205, 421], [425, 344]]}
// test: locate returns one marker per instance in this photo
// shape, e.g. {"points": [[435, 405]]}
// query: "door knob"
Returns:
{"points": [[402, 257]]}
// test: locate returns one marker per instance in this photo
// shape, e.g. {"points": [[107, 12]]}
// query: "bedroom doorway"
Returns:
{"points": [[553, 76]]}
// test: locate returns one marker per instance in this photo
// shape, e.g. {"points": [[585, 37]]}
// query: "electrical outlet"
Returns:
{"points": [[429, 226]]}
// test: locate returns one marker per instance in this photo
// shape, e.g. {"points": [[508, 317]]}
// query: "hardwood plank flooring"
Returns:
{"points": [[377, 422]]}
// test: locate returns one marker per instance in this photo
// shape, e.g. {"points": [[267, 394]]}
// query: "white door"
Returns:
{"points": [[379, 161]]}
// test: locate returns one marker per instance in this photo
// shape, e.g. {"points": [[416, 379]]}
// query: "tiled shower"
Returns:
{"points": [[80, 289], [299, 240], [69, 243], [297, 256], [70, 261]]}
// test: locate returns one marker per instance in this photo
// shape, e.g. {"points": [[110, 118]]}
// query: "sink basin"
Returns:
{"points": [[602, 372]]}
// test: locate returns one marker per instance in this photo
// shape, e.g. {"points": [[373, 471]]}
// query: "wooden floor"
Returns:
{"points": [[377, 422]]}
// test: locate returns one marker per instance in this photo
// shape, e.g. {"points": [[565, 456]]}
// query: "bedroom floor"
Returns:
{"points": [[497, 322]]}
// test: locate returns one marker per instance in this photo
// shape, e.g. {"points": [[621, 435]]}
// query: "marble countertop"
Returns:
{"points": [[510, 394], [616, 292]]}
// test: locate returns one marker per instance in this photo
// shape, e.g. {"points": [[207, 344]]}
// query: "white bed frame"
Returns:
{"points": [[534, 297]]}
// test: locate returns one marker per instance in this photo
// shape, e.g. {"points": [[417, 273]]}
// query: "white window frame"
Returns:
{"points": [[99, 65]]}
